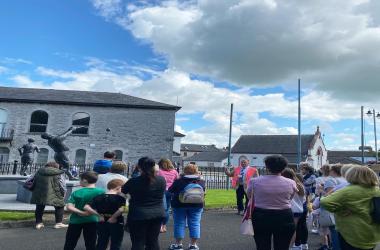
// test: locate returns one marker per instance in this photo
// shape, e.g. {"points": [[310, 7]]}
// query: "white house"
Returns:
{"points": [[208, 159], [256, 147], [188, 150]]}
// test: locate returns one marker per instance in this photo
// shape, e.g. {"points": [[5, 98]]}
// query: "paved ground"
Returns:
{"points": [[8, 202], [220, 231]]}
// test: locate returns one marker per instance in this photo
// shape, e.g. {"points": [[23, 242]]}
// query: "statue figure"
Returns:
{"points": [[27, 155], [60, 149]]}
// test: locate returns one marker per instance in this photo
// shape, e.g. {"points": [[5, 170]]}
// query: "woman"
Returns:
{"points": [[170, 174], [146, 209], [49, 190], [272, 215], [298, 201], [309, 178], [352, 207], [190, 212]]}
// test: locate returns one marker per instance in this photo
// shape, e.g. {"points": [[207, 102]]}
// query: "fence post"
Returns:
{"points": [[14, 171]]}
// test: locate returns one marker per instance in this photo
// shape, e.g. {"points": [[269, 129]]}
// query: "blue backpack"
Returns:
{"points": [[193, 193]]}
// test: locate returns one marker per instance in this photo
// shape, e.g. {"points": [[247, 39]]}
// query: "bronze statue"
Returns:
{"points": [[60, 149], [27, 155]]}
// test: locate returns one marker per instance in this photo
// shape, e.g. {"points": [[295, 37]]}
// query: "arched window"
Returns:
{"points": [[80, 157], [4, 155], [39, 121], [43, 156], [118, 155], [81, 122], [3, 119]]}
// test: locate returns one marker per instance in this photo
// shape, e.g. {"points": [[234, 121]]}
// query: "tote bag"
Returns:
{"points": [[246, 227]]}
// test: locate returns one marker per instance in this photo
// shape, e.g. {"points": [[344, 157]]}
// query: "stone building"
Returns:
{"points": [[131, 126]]}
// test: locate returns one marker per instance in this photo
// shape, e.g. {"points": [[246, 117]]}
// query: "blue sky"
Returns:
{"points": [[190, 52]]}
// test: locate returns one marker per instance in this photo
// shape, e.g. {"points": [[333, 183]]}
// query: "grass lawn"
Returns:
{"points": [[222, 198], [14, 216]]}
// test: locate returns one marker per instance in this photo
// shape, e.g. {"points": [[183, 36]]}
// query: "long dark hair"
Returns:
{"points": [[290, 174], [147, 169]]}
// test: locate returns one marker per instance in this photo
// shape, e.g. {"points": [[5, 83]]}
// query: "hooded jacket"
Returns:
{"points": [[48, 189]]}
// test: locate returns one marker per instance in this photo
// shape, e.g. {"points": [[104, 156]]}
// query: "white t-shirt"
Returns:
{"points": [[103, 179]]}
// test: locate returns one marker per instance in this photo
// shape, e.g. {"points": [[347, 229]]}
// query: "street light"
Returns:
{"points": [[369, 114]]}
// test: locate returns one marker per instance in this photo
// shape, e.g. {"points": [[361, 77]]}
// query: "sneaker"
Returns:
{"points": [[314, 231], [60, 225], [176, 247], [193, 247], [40, 226], [304, 246]]}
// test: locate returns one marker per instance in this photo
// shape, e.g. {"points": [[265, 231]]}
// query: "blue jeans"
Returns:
{"points": [[193, 216], [334, 238], [167, 199]]}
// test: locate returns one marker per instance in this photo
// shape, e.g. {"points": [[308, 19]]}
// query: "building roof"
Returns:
{"points": [[82, 98], [178, 134], [272, 144], [208, 156], [347, 153], [199, 148]]}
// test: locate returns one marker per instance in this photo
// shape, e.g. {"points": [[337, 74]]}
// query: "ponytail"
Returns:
{"points": [[147, 168]]}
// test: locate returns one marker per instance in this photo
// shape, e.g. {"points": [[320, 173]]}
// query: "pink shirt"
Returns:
{"points": [[272, 192], [170, 176]]}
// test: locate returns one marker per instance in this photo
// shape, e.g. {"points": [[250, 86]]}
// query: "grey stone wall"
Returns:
{"points": [[136, 132]]}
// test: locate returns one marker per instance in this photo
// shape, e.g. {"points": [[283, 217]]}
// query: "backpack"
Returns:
{"points": [[193, 193], [30, 183], [376, 210]]}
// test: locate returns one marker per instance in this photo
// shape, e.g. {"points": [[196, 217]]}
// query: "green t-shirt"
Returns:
{"points": [[80, 198]]}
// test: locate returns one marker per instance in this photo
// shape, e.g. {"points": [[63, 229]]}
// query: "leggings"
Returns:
{"points": [[302, 233]]}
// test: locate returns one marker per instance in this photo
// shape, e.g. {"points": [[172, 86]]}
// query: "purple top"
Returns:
{"points": [[272, 191]]}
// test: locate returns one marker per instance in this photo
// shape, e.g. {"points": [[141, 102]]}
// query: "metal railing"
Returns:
{"points": [[6, 135]]}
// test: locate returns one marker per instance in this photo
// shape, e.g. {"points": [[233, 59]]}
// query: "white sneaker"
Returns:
{"points": [[40, 226], [305, 247], [314, 231], [60, 225]]}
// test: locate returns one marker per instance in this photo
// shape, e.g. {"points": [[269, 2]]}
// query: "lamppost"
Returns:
{"points": [[374, 115]]}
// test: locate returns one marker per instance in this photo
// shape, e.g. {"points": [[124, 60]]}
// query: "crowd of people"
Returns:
{"points": [[338, 202]]}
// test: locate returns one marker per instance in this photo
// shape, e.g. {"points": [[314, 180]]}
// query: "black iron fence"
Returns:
{"points": [[214, 177]]}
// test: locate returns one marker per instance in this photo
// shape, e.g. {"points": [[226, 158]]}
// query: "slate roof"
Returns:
{"points": [[178, 134], [198, 148], [82, 98], [353, 153], [272, 144], [208, 156]]}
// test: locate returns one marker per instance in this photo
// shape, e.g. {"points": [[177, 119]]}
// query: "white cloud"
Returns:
{"points": [[3, 69], [269, 42]]}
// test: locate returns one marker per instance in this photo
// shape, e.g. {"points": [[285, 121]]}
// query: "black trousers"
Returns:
{"points": [[74, 231], [144, 234], [276, 223], [302, 233], [107, 231], [240, 194], [40, 212], [345, 246]]}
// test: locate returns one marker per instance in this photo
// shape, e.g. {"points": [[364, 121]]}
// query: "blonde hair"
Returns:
{"points": [[118, 167], [165, 164], [345, 169], [190, 169], [363, 176]]}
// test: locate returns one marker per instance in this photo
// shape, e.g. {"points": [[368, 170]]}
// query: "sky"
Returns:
{"points": [[204, 55]]}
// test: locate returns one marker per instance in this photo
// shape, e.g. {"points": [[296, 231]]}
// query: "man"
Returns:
{"points": [[60, 149], [103, 166], [27, 155], [240, 179]]}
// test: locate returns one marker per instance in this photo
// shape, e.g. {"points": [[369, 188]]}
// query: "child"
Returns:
{"points": [[109, 207], [80, 219]]}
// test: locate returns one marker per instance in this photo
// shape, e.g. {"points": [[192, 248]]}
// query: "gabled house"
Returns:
{"points": [[188, 150], [256, 147], [350, 157], [208, 159]]}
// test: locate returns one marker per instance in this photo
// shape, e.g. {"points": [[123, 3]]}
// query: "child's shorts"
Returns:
{"points": [[297, 215]]}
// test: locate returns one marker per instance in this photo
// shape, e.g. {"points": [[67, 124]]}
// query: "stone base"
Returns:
{"points": [[8, 183], [24, 195]]}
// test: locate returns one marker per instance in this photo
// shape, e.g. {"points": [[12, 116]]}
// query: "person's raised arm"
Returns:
{"points": [[228, 173], [66, 133]]}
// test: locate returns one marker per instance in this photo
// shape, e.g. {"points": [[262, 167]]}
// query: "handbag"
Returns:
{"points": [[246, 226], [326, 219], [30, 183]]}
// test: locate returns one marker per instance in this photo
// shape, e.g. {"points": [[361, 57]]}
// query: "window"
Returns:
{"points": [[185, 154], [39, 121], [118, 155], [3, 120], [210, 164], [81, 122], [4, 155], [43, 156], [80, 157]]}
